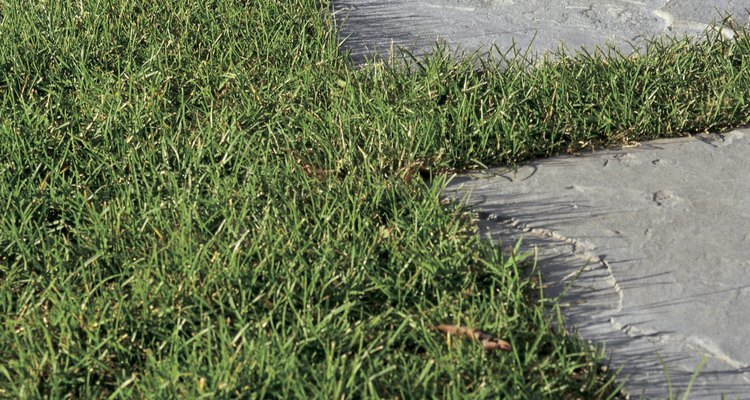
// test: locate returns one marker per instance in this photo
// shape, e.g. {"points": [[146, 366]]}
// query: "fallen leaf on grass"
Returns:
{"points": [[488, 341], [415, 167]]}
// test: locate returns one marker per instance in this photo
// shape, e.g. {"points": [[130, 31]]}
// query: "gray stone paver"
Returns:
{"points": [[650, 248], [372, 26]]}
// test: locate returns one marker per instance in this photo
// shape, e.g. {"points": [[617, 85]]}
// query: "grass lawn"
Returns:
{"points": [[204, 198]]}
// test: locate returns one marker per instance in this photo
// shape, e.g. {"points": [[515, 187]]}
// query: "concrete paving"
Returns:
{"points": [[649, 246], [377, 26], [649, 249]]}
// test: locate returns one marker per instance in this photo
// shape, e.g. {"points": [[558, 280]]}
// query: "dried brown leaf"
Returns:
{"points": [[488, 341]]}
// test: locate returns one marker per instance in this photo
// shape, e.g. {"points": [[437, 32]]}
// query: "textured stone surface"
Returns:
{"points": [[375, 26], [648, 246]]}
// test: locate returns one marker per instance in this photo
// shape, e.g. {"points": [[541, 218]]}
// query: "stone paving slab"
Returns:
{"points": [[377, 26], [649, 248]]}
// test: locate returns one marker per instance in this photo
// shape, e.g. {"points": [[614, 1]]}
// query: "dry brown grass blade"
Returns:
{"points": [[489, 342]]}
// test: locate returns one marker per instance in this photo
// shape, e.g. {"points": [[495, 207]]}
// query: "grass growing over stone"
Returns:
{"points": [[203, 198]]}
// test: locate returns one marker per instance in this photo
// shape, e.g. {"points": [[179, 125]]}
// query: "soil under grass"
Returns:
{"points": [[204, 198]]}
